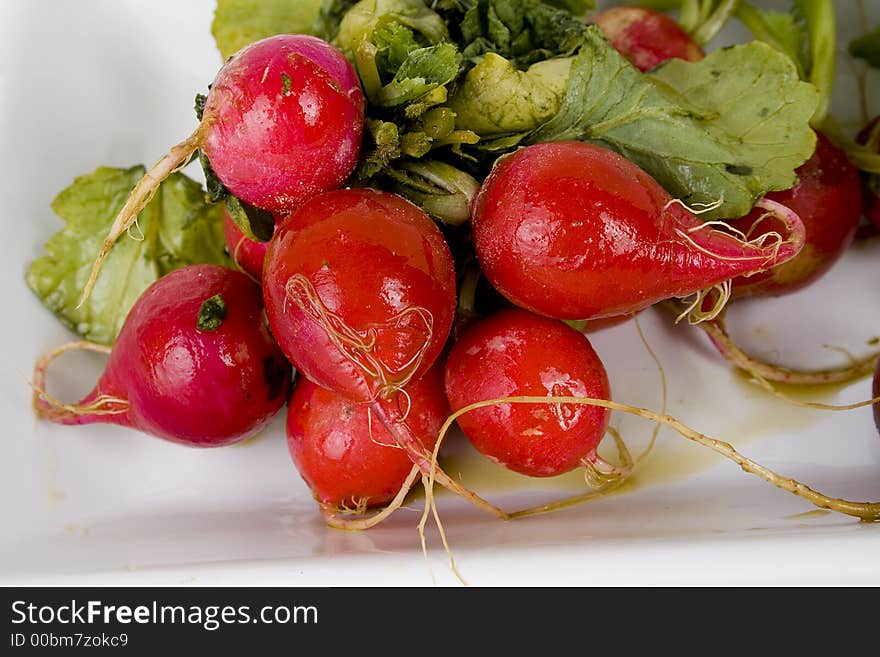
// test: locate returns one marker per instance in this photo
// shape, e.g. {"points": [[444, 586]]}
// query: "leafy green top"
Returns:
{"points": [[176, 229]]}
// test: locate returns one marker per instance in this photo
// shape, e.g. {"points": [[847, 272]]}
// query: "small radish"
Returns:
{"points": [[246, 253], [194, 364], [871, 182], [646, 37], [360, 294], [282, 122], [827, 198], [348, 460], [575, 231], [516, 353]]}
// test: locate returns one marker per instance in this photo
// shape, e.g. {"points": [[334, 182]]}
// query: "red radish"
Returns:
{"points": [[827, 198], [646, 37], [246, 253], [360, 293], [194, 364], [516, 353], [575, 231], [871, 181], [349, 460], [283, 121], [286, 119]]}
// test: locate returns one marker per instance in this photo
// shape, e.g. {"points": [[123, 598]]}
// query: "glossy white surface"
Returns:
{"points": [[112, 82]]}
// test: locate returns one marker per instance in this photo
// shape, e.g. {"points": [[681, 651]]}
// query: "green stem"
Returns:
{"points": [[822, 29], [365, 61], [690, 15], [716, 21]]}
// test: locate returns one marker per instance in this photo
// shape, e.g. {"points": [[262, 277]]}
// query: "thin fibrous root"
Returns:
{"points": [[426, 461], [764, 373], [600, 486], [865, 511], [431, 507], [696, 311], [55, 410], [358, 346], [338, 518], [696, 208], [766, 247], [146, 187]]}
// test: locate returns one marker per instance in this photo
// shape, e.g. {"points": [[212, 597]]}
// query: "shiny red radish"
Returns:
{"points": [[827, 198], [646, 37], [575, 231], [517, 353], [285, 117], [194, 364], [347, 458], [360, 292], [282, 122]]}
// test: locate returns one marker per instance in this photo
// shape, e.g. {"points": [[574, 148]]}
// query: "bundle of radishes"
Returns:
{"points": [[578, 185]]}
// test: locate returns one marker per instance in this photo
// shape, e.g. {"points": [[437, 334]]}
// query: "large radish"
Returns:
{"points": [[575, 231]]}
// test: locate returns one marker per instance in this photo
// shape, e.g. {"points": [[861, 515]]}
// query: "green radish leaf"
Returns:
{"points": [[727, 129], [177, 228], [361, 22], [522, 31], [780, 30], [807, 34], [240, 22], [394, 43], [867, 48], [257, 225], [423, 70]]}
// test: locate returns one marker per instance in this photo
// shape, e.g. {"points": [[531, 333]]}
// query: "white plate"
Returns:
{"points": [[112, 82]]}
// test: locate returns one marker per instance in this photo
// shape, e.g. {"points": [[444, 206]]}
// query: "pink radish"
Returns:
{"points": [[283, 121], [194, 364]]}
